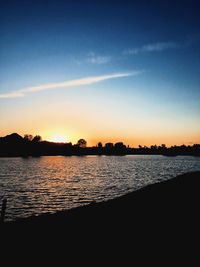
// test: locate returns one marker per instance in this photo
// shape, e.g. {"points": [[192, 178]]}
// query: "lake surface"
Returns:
{"points": [[47, 184]]}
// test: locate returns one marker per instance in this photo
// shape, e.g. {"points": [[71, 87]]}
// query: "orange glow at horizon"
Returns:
{"points": [[60, 135], [57, 138], [63, 135]]}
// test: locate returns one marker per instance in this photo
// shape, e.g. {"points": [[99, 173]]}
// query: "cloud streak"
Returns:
{"points": [[97, 59], [154, 47], [68, 84]]}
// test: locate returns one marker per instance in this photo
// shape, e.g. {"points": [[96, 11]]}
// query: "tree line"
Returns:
{"points": [[29, 145]]}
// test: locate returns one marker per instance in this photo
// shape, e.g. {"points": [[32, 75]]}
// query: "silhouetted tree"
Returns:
{"points": [[15, 145], [37, 138], [28, 137], [99, 145], [154, 147], [82, 143]]}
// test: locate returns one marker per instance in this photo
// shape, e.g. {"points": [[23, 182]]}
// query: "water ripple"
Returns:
{"points": [[48, 184]]}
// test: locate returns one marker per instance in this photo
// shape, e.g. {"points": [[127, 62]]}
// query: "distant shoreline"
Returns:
{"points": [[14, 145], [92, 154]]}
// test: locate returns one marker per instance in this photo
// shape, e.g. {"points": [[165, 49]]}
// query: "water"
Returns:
{"points": [[47, 184]]}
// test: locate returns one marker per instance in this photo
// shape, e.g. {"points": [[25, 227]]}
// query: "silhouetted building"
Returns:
{"points": [[109, 145], [120, 145]]}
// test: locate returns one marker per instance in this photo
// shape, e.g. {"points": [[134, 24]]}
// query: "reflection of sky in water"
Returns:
{"points": [[48, 184]]}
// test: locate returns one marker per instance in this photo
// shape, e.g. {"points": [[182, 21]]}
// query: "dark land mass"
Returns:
{"points": [[162, 218], [14, 145]]}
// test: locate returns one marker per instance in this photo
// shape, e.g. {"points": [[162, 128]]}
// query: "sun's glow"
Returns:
{"points": [[62, 135], [58, 138]]}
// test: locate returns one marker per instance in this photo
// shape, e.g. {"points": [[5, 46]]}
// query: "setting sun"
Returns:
{"points": [[59, 134], [58, 138]]}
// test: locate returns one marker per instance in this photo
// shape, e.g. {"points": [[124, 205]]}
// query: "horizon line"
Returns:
{"points": [[104, 142]]}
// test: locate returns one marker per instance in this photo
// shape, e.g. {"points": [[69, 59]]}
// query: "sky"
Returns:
{"points": [[101, 70]]}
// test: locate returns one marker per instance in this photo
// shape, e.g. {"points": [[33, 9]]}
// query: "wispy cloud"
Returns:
{"points": [[97, 59], [93, 58], [12, 94], [154, 47], [68, 84]]}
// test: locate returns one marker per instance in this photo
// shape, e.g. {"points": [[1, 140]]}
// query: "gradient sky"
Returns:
{"points": [[101, 70]]}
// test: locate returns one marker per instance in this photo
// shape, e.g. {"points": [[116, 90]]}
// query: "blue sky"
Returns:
{"points": [[148, 50]]}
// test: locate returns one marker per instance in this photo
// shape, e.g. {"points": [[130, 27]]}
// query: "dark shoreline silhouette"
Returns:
{"points": [[157, 223], [15, 145], [173, 204]]}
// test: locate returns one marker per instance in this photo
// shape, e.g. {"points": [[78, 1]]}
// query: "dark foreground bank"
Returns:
{"points": [[160, 220], [171, 203]]}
